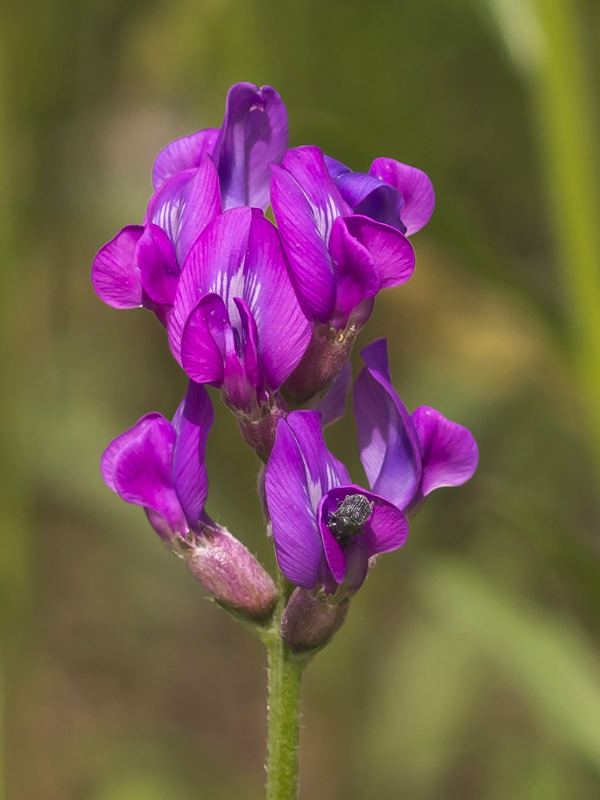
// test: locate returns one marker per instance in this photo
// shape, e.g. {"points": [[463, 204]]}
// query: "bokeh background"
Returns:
{"points": [[470, 664]]}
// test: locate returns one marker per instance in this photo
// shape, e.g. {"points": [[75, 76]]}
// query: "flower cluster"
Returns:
{"points": [[267, 314]]}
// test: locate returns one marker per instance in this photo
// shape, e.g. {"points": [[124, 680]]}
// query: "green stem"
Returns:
{"points": [[285, 673]]}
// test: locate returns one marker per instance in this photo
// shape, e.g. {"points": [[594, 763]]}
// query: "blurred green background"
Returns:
{"points": [[469, 667]]}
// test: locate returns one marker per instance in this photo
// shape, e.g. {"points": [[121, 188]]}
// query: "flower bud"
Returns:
{"points": [[310, 621], [328, 351], [259, 431], [222, 564]]}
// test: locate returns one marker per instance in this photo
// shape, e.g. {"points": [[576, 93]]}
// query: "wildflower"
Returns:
{"points": [[406, 456], [236, 322], [195, 178], [307, 490], [339, 260], [160, 466]]}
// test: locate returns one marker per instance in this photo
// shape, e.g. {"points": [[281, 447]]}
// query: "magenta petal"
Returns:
{"points": [[297, 541], [333, 406], [137, 465], [185, 153], [115, 277], [336, 560], [307, 167], [335, 168], [356, 275], [387, 524], [449, 451], [192, 422], [203, 341], [159, 272], [304, 246], [215, 266], [388, 443], [324, 469], [283, 330], [254, 135], [414, 186], [249, 342], [372, 197], [392, 253]]}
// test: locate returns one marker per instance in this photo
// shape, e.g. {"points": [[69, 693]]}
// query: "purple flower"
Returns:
{"points": [[340, 261], [236, 321], [160, 465], [306, 489], [406, 456], [391, 192], [195, 178]]}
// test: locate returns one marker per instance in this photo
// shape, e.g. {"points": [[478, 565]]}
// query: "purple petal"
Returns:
{"points": [[372, 197], [336, 560], [305, 248], [388, 443], [283, 330], [203, 341], [137, 465], [449, 451], [214, 265], [254, 135], [324, 469], [333, 406], [335, 168], [356, 275], [392, 253], [185, 153], [185, 204], [307, 167], [297, 541], [193, 423], [115, 277], [155, 258], [387, 527], [414, 186]]}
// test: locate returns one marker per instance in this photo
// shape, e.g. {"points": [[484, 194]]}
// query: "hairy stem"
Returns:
{"points": [[285, 673]]}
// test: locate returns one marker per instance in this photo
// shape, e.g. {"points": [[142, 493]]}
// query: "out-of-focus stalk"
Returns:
{"points": [[546, 40]]}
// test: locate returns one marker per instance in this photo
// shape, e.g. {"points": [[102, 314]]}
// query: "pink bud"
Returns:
{"points": [[310, 620]]}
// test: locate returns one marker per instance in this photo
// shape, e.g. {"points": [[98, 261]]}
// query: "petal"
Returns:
{"points": [[215, 265], [297, 541], [115, 277], [387, 439], [449, 451], [323, 469], [336, 560], [137, 465], [387, 527], [254, 135], [157, 264], [304, 247], [370, 196], [392, 253], [185, 204], [185, 153], [414, 186], [249, 342], [356, 275], [194, 421], [283, 330], [333, 406], [201, 356], [335, 168]]}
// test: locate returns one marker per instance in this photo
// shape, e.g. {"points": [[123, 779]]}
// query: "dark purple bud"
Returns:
{"points": [[259, 431], [325, 357], [234, 577], [310, 621]]}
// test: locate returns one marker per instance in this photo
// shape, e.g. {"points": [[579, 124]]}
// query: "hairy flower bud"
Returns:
{"points": [[327, 353], [310, 621], [258, 431], [222, 564]]}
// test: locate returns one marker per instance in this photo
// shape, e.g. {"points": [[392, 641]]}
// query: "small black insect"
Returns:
{"points": [[350, 515]]}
